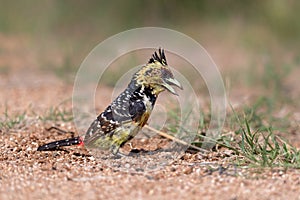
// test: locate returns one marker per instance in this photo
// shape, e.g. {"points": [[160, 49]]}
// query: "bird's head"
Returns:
{"points": [[157, 75]]}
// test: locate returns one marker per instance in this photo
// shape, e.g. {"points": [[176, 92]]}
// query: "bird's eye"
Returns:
{"points": [[167, 73]]}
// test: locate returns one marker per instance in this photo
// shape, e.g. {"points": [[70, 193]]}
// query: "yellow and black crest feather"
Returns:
{"points": [[160, 57]]}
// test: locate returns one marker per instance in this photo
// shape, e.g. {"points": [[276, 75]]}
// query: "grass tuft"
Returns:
{"points": [[9, 122], [55, 114], [257, 143]]}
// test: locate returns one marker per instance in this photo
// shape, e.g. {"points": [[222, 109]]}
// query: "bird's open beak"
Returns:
{"points": [[169, 83]]}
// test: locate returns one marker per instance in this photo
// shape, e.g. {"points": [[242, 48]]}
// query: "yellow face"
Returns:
{"points": [[158, 77]]}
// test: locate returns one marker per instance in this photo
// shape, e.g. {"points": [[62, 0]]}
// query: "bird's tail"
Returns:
{"points": [[60, 143]]}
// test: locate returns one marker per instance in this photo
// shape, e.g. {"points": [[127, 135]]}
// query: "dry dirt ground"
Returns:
{"points": [[74, 173]]}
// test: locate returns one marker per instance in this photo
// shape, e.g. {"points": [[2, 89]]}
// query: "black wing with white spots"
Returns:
{"points": [[129, 106]]}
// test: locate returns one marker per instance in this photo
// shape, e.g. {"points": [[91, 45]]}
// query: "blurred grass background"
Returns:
{"points": [[84, 23], [103, 18], [255, 43]]}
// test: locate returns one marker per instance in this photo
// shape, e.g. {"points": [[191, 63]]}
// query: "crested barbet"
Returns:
{"points": [[129, 112]]}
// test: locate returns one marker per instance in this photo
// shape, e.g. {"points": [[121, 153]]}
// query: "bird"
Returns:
{"points": [[129, 112]]}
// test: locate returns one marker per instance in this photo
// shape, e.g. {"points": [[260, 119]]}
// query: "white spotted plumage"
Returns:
{"points": [[129, 112]]}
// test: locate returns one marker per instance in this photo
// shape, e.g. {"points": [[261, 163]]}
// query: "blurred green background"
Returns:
{"points": [[96, 20], [253, 42], [103, 18]]}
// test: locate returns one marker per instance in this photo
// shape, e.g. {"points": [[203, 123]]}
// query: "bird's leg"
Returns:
{"points": [[118, 151], [115, 151]]}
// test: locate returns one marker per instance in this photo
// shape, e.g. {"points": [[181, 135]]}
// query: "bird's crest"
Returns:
{"points": [[160, 57]]}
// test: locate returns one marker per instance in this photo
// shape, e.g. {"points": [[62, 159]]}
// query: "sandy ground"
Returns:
{"points": [[74, 173]]}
